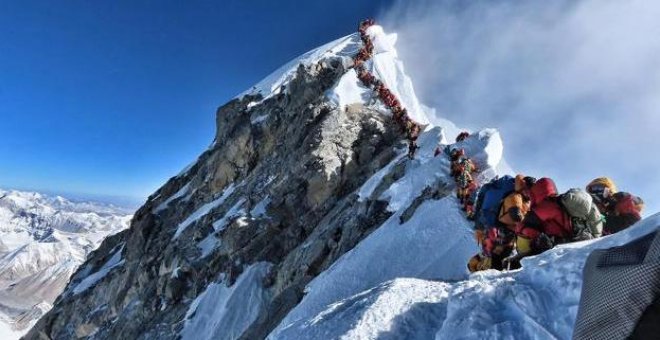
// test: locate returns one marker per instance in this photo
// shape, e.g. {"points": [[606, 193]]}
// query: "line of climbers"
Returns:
{"points": [[522, 216], [399, 113], [514, 217]]}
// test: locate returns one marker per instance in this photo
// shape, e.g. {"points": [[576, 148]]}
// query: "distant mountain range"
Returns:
{"points": [[43, 240]]}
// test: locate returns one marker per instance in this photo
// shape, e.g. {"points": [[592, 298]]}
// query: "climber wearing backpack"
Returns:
{"points": [[369, 46], [586, 219], [601, 190], [546, 224], [462, 136], [412, 149], [365, 77], [626, 210], [621, 209], [455, 156], [516, 205], [489, 200], [496, 242], [503, 203], [464, 180], [413, 130]]}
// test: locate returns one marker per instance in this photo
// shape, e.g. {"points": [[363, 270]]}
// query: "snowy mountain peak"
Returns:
{"points": [[276, 82], [385, 65]]}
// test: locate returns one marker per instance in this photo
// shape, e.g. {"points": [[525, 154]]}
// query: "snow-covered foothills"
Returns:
{"points": [[43, 240]]}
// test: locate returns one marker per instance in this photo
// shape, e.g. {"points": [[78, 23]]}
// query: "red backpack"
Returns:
{"points": [[627, 204]]}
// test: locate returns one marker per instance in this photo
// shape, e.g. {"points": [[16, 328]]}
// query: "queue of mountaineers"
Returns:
{"points": [[410, 128], [514, 216], [522, 216]]}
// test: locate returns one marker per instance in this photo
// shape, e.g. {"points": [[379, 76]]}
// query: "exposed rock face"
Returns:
{"points": [[277, 186]]}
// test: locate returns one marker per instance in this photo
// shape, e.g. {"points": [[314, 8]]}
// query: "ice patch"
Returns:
{"points": [[223, 312], [372, 183], [203, 210], [208, 244], [234, 211], [349, 90], [259, 119], [92, 279], [178, 194], [259, 209]]}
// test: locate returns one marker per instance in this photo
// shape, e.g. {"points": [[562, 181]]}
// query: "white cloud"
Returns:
{"points": [[574, 86]]}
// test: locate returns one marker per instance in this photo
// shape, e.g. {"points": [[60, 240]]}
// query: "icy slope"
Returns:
{"points": [[43, 240], [539, 301]]}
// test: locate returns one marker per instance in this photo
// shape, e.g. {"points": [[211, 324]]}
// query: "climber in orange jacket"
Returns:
{"points": [[498, 241], [516, 205]]}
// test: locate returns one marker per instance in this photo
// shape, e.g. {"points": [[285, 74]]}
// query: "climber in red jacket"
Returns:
{"points": [[546, 224], [462, 136], [364, 25], [365, 77]]}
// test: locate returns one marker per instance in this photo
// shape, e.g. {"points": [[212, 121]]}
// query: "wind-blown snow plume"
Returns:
{"points": [[572, 85]]}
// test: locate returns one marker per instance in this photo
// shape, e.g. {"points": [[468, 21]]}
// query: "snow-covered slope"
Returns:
{"points": [[385, 66], [539, 301], [43, 240]]}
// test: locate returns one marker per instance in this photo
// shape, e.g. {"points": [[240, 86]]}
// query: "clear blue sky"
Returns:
{"points": [[111, 98]]}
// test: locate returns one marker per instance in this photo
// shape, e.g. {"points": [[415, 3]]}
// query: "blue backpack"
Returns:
{"points": [[490, 198]]}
